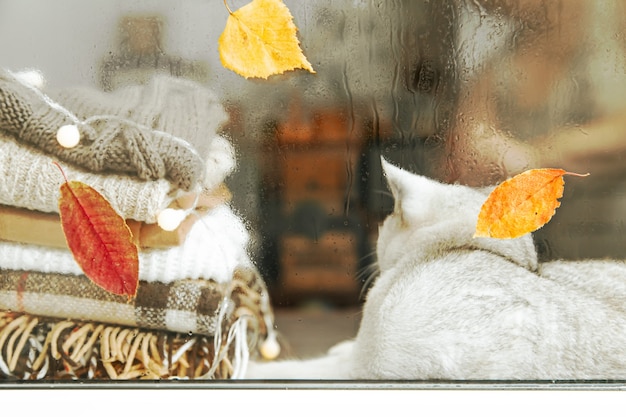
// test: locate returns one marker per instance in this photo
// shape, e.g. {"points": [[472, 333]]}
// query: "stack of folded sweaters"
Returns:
{"points": [[200, 309]]}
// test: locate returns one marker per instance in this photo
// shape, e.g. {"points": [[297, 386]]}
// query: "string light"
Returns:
{"points": [[270, 348], [33, 77], [68, 136], [169, 219]]}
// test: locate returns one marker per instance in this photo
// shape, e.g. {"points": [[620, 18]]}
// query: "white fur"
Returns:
{"points": [[450, 306]]}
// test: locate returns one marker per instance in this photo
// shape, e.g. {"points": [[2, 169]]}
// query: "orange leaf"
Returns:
{"points": [[260, 40], [99, 239], [521, 204]]}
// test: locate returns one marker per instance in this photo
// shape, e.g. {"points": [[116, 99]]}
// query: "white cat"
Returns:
{"points": [[450, 306]]}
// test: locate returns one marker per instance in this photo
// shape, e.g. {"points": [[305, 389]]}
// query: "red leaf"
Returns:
{"points": [[99, 239]]}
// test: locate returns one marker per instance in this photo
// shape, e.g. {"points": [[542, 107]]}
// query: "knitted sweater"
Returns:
{"points": [[160, 130], [28, 179], [215, 247]]}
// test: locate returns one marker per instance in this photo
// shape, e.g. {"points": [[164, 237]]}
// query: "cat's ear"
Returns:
{"points": [[402, 182], [395, 179], [405, 185]]}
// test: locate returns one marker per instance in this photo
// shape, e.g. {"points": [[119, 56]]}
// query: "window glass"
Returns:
{"points": [[281, 242]]}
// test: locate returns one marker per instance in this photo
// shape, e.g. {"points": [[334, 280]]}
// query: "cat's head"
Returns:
{"points": [[431, 218]]}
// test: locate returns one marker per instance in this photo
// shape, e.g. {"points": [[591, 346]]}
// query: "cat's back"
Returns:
{"points": [[472, 314], [601, 279]]}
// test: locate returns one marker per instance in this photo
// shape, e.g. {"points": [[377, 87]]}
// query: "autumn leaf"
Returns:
{"points": [[99, 239], [521, 204], [260, 40]]}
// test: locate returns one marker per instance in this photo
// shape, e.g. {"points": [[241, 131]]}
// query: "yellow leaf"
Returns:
{"points": [[521, 204], [260, 40]]}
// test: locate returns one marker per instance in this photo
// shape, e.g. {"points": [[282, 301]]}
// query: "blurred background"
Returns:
{"points": [[463, 91]]}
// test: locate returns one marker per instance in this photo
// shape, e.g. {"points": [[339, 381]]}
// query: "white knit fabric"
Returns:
{"points": [[220, 162], [28, 179], [214, 247]]}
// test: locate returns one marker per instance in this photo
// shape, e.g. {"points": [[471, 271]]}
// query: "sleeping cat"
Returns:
{"points": [[450, 306]]}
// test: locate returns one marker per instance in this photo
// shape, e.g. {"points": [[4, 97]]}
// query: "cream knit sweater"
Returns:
{"points": [[28, 179], [214, 248]]}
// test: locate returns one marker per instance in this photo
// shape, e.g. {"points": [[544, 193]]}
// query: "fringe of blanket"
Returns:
{"points": [[33, 348]]}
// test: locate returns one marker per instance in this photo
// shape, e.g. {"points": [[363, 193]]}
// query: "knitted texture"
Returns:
{"points": [[145, 131], [28, 179], [215, 247]]}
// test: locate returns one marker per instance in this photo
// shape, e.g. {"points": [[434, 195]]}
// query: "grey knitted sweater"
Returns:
{"points": [[136, 130]]}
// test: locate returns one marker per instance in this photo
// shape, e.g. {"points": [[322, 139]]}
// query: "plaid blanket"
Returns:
{"points": [[186, 306]]}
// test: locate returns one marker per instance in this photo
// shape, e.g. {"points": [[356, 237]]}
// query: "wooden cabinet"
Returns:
{"points": [[310, 182], [325, 266]]}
